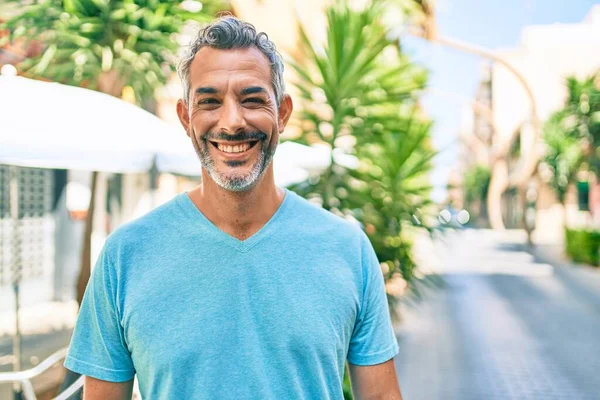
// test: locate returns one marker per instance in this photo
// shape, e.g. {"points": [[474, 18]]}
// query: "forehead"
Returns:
{"points": [[212, 66]]}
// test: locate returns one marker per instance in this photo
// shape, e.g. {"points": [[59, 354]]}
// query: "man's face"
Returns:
{"points": [[232, 116]]}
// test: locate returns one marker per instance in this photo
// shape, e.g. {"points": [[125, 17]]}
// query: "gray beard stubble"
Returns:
{"points": [[234, 183]]}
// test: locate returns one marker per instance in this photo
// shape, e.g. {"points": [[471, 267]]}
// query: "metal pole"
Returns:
{"points": [[16, 272]]}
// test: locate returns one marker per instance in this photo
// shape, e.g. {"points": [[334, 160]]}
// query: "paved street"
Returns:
{"points": [[504, 325]]}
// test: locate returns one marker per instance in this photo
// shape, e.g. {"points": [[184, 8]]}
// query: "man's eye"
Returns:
{"points": [[208, 101], [256, 100]]}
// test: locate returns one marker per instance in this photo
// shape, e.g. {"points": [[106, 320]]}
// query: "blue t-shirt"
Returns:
{"points": [[199, 314]]}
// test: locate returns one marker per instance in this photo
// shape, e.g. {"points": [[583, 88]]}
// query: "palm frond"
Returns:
{"points": [[112, 34]]}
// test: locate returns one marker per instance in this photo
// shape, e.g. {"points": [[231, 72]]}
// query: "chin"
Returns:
{"points": [[236, 182]]}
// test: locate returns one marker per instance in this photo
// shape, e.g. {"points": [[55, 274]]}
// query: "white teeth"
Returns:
{"points": [[234, 149]]}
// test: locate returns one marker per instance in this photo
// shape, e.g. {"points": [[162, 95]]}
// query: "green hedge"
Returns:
{"points": [[583, 245]]}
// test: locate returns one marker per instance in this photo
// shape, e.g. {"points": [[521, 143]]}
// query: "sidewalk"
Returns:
{"points": [[45, 328], [583, 279], [39, 318], [499, 329]]}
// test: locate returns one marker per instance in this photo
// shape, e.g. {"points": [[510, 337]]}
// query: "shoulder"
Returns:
{"points": [[313, 220], [158, 223]]}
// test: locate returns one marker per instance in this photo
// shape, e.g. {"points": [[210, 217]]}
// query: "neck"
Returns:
{"points": [[240, 214]]}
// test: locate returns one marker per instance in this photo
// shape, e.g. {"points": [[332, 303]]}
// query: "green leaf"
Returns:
{"points": [[107, 59], [45, 60]]}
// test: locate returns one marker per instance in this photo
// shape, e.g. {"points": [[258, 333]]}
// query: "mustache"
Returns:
{"points": [[236, 137]]}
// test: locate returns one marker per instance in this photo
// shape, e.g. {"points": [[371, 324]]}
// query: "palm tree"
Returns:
{"points": [[571, 135], [106, 45], [563, 157], [390, 191], [580, 116], [359, 96]]}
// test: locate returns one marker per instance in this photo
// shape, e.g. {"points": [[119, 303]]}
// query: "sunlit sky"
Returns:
{"points": [[492, 24]]}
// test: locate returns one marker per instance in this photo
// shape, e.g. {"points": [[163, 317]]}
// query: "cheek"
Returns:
{"points": [[201, 122], [264, 121]]}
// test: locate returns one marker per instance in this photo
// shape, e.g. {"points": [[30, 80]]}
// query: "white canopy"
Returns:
{"points": [[49, 125]]}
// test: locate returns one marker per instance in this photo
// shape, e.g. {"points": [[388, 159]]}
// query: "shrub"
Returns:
{"points": [[583, 245]]}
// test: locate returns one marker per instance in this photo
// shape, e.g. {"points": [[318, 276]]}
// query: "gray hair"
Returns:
{"points": [[229, 32]]}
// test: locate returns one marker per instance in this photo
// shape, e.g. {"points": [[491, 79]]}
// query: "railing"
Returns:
{"points": [[24, 377]]}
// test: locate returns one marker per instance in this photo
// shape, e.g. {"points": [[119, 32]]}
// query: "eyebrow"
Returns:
{"points": [[253, 90], [205, 90]]}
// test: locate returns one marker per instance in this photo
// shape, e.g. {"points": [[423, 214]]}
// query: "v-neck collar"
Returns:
{"points": [[241, 245]]}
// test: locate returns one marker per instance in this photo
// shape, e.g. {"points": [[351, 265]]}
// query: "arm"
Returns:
{"points": [[375, 382], [373, 344], [96, 389], [98, 348]]}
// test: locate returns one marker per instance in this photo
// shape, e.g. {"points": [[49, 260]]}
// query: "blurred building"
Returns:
{"points": [[545, 56]]}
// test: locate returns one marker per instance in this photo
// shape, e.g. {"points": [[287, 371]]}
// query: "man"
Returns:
{"points": [[237, 289]]}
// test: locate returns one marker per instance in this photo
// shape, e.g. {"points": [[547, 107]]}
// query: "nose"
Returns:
{"points": [[231, 119]]}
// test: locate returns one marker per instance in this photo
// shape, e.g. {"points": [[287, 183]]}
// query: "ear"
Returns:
{"points": [[184, 115], [285, 111]]}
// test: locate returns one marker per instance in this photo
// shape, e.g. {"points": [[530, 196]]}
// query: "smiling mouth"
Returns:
{"points": [[234, 148]]}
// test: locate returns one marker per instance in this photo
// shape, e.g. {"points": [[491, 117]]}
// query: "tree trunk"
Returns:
{"points": [[498, 184], [565, 215], [524, 208], [111, 83], [86, 253]]}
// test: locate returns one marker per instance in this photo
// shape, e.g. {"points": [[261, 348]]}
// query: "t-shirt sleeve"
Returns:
{"points": [[373, 340], [98, 348]]}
